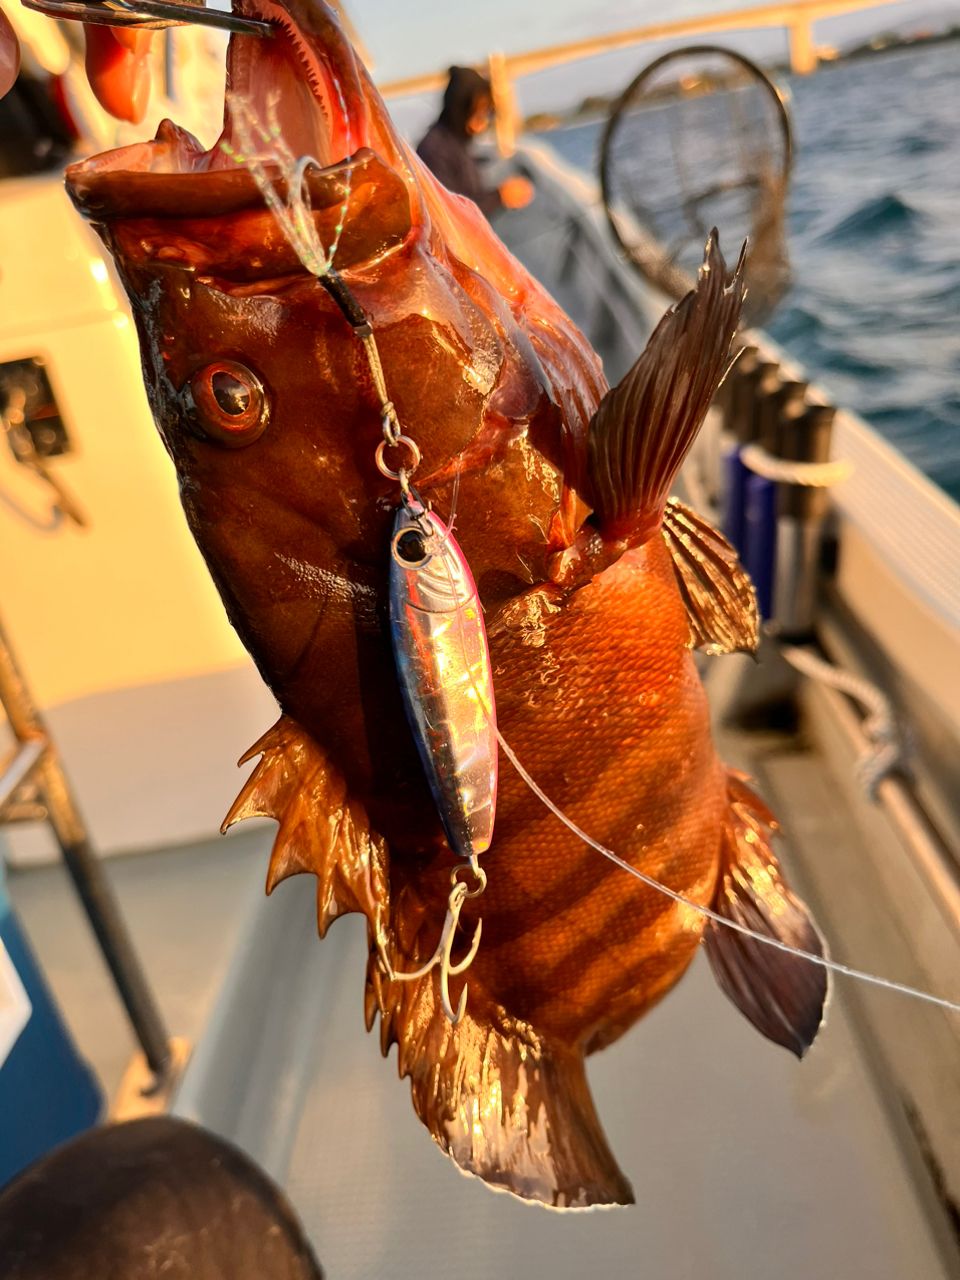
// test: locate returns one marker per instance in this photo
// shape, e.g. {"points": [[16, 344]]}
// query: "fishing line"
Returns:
{"points": [[295, 216], [833, 966]]}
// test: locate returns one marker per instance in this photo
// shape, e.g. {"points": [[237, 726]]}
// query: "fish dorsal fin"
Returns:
{"points": [[644, 427], [322, 830], [504, 1104], [716, 589]]}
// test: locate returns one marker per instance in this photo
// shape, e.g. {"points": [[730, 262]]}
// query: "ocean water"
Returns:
{"points": [[873, 311]]}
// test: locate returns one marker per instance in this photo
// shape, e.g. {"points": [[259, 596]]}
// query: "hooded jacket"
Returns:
{"points": [[445, 149]]}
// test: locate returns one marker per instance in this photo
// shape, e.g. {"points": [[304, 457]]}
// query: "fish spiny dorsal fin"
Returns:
{"points": [[322, 830], [716, 589], [644, 427], [781, 994], [504, 1104]]}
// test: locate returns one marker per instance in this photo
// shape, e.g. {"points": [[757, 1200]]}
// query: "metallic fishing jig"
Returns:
{"points": [[443, 665], [440, 647]]}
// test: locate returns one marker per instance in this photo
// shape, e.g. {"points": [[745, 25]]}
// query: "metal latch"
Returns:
{"points": [[34, 426]]}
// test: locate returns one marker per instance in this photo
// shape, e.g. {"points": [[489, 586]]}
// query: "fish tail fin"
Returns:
{"points": [[782, 994], [505, 1106], [644, 427]]}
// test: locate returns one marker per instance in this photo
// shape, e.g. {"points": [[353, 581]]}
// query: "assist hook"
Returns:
{"points": [[442, 958]]}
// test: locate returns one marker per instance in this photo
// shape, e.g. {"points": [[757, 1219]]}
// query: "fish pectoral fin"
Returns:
{"points": [[507, 1107], [783, 995], [644, 427], [322, 830], [719, 597]]}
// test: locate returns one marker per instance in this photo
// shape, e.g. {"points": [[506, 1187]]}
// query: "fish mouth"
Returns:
{"points": [[300, 93]]}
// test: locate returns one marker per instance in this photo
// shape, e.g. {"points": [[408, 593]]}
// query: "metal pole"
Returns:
{"points": [[803, 52], [914, 829], [85, 868], [504, 104]]}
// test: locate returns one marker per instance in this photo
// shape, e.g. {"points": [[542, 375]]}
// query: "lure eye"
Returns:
{"points": [[410, 548], [228, 404]]}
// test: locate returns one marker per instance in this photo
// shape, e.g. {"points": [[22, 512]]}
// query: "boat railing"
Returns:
{"points": [[796, 18]]}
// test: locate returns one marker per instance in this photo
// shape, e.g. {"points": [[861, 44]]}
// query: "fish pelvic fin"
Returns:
{"points": [[719, 597], [783, 995], [503, 1104], [644, 427], [322, 830]]}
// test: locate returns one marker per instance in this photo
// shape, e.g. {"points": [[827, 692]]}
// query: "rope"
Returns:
{"points": [[391, 422], [883, 753], [810, 475]]}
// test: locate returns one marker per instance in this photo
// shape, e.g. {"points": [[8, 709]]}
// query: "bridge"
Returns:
{"points": [[796, 17]]}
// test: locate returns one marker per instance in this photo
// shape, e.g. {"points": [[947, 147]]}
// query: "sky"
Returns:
{"points": [[410, 37]]}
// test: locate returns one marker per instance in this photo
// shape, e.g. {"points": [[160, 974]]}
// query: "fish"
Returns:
{"points": [[596, 588]]}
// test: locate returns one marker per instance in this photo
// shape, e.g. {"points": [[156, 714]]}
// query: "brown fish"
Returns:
{"points": [[595, 587]]}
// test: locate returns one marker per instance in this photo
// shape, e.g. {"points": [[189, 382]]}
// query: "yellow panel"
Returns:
{"points": [[128, 601]]}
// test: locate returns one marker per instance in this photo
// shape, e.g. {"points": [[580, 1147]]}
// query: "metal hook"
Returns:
{"points": [[442, 958], [150, 14]]}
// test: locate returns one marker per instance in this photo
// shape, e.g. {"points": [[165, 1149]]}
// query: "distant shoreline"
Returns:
{"points": [[597, 107]]}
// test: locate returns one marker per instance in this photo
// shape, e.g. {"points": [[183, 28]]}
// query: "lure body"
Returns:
{"points": [[443, 664]]}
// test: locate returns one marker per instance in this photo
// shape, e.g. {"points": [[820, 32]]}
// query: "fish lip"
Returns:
{"points": [[174, 174], [102, 192]]}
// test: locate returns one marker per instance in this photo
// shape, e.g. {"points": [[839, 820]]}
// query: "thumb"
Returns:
{"points": [[9, 55]]}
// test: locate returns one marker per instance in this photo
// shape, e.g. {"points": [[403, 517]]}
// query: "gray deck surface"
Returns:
{"points": [[185, 908], [744, 1163]]}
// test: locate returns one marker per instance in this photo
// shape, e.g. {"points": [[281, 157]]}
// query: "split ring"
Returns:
{"points": [[473, 866], [412, 449]]}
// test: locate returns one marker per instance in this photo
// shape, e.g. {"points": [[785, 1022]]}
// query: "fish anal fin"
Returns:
{"points": [[719, 597], [504, 1105], [783, 995], [322, 830], [644, 427]]}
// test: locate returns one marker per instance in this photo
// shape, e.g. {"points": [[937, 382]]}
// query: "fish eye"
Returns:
{"points": [[410, 548], [227, 402]]}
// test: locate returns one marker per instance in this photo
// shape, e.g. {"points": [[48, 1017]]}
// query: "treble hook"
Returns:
{"points": [[442, 958]]}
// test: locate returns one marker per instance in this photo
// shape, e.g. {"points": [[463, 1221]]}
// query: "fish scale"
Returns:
{"points": [[678, 843]]}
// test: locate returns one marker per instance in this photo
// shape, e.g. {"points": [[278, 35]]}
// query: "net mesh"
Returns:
{"points": [[700, 139]]}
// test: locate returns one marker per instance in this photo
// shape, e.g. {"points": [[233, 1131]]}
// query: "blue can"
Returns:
{"points": [[759, 549], [734, 484], [47, 1092]]}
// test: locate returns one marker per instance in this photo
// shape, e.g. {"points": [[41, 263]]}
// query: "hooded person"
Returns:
{"points": [[445, 149]]}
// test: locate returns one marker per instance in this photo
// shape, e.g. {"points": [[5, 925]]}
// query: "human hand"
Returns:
{"points": [[9, 55], [516, 192]]}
